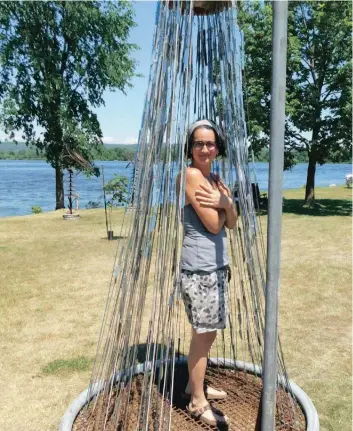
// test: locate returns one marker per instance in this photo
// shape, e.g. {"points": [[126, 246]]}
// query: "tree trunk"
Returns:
{"points": [[310, 181], [59, 187]]}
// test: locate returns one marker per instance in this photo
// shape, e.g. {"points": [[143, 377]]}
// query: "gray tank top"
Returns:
{"points": [[202, 250]]}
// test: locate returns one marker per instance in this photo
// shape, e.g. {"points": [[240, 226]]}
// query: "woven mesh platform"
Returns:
{"points": [[241, 406]]}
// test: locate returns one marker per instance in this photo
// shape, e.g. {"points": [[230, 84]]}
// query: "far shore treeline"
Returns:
{"points": [[120, 152], [10, 151]]}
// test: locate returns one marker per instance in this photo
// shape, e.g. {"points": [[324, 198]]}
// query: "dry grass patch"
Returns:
{"points": [[315, 311], [54, 282], [53, 287]]}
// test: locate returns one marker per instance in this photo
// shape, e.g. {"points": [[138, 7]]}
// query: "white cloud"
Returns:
{"points": [[127, 141], [109, 140], [130, 141]]}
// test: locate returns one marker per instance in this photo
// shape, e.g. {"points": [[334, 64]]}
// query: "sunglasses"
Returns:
{"points": [[198, 145]]}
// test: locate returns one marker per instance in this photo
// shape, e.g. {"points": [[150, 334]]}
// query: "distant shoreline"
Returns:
{"points": [[122, 152], [129, 161]]}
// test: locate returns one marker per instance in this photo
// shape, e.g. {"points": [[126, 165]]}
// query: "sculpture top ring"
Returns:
{"points": [[204, 7]]}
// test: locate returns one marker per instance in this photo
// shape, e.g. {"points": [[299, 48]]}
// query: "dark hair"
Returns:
{"points": [[220, 139]]}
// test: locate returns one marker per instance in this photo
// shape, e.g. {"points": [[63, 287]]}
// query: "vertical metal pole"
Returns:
{"points": [[105, 202], [274, 226]]}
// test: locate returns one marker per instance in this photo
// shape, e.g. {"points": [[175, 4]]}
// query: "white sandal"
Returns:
{"points": [[221, 395], [198, 413]]}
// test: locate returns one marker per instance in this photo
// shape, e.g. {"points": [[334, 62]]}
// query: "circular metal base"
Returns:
{"points": [[71, 216], [179, 415]]}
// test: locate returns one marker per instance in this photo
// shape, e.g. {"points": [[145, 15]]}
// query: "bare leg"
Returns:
{"points": [[199, 347], [197, 360]]}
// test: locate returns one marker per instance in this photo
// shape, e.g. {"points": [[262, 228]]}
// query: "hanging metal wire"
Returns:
{"points": [[196, 72]]}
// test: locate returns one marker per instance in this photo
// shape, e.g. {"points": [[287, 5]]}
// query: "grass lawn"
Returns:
{"points": [[54, 281]]}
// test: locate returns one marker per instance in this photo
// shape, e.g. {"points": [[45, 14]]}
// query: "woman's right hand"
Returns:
{"points": [[211, 198]]}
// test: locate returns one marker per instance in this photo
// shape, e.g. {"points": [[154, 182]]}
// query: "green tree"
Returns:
{"points": [[56, 60], [117, 189], [319, 81]]}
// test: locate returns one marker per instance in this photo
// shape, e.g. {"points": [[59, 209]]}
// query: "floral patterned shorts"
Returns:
{"points": [[205, 297]]}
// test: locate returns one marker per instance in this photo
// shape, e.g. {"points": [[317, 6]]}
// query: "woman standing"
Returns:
{"points": [[204, 261]]}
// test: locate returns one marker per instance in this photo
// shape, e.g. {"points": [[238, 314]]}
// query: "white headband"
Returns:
{"points": [[198, 124]]}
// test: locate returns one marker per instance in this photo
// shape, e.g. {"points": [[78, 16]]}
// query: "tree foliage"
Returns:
{"points": [[56, 60], [117, 189], [319, 80]]}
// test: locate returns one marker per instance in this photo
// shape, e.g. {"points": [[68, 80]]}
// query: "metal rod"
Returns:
{"points": [[105, 202], [274, 226]]}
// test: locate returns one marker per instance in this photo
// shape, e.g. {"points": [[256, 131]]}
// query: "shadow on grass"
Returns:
{"points": [[322, 207], [115, 237]]}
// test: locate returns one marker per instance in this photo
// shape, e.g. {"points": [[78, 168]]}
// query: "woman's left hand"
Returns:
{"points": [[211, 198]]}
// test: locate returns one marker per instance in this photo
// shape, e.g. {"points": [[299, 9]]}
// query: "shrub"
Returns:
{"points": [[117, 190], [92, 205], [36, 209]]}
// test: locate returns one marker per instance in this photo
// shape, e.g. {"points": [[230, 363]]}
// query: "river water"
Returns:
{"points": [[25, 183]]}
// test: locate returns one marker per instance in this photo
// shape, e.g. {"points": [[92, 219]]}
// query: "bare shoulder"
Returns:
{"points": [[189, 174], [193, 174]]}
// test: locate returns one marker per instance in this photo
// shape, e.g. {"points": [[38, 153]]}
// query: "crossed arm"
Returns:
{"points": [[220, 199], [214, 206]]}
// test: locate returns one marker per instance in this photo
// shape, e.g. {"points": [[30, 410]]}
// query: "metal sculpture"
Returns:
{"points": [[72, 196], [196, 72]]}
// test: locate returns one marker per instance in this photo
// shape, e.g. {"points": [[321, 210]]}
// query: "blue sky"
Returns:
{"points": [[120, 119]]}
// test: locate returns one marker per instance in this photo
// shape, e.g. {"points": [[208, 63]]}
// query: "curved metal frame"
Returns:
{"points": [[312, 418]]}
